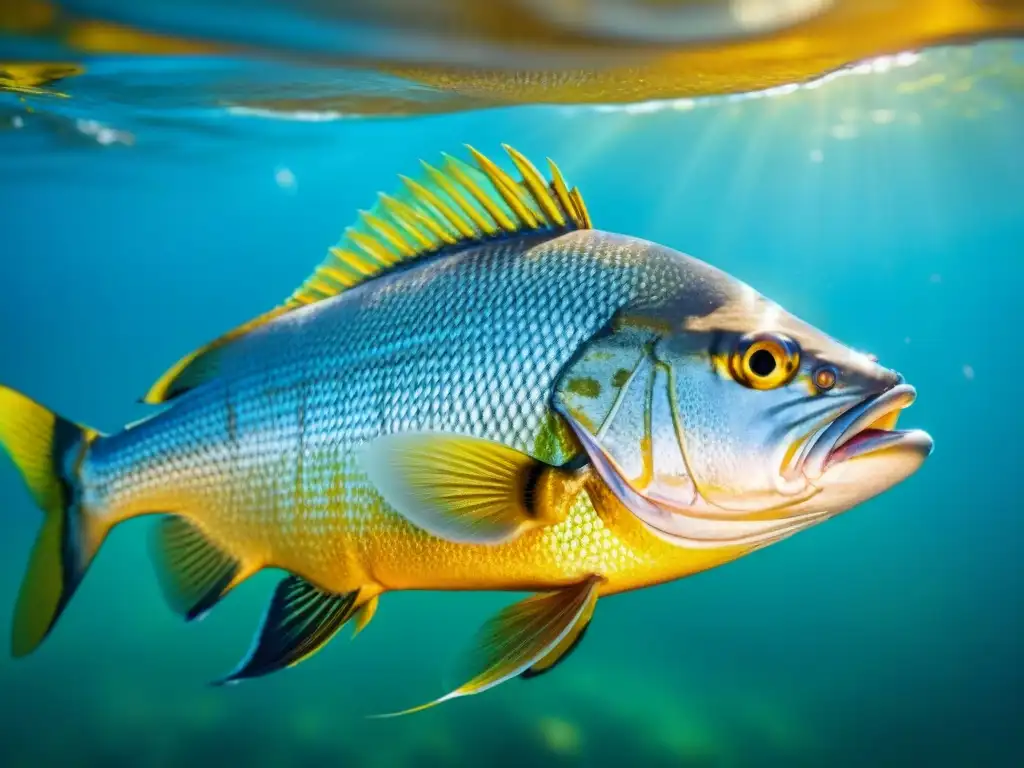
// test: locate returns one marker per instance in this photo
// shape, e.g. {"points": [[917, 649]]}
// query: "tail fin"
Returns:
{"points": [[49, 450]]}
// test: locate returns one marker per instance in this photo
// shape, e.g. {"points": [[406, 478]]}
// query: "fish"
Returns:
{"points": [[476, 390]]}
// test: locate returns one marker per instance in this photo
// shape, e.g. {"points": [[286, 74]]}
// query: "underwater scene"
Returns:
{"points": [[169, 173]]}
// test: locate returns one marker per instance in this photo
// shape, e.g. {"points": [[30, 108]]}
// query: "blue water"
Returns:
{"points": [[889, 215]]}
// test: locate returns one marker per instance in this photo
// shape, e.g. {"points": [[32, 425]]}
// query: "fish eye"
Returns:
{"points": [[765, 360], [825, 378]]}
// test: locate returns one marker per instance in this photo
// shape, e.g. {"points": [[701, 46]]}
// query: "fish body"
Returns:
{"points": [[264, 456], [477, 390]]}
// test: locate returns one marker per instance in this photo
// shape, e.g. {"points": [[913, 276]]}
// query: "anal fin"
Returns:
{"points": [[538, 630], [194, 573], [299, 621]]}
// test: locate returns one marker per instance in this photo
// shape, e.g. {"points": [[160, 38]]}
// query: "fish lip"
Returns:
{"points": [[873, 441], [853, 433]]}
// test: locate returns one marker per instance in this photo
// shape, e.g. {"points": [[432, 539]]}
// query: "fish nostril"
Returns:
{"points": [[892, 379]]}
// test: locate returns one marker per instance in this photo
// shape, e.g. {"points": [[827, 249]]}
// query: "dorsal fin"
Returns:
{"points": [[445, 209]]}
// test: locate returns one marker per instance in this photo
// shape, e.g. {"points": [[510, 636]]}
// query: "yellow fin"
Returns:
{"points": [[569, 643], [364, 614], [48, 451], [458, 488], [203, 364], [521, 636], [450, 207], [442, 210]]}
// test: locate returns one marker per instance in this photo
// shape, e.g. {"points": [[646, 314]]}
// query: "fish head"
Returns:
{"points": [[717, 417]]}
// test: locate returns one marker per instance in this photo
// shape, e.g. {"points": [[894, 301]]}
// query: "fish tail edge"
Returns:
{"points": [[48, 451]]}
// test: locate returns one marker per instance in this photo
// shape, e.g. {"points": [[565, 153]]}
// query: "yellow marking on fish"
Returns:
{"points": [[446, 211], [317, 285], [581, 208], [391, 235], [406, 218], [535, 184], [445, 183], [448, 214], [423, 216], [793, 448], [354, 261], [646, 458], [341, 278], [453, 167], [720, 364], [373, 248], [561, 191], [507, 188]]}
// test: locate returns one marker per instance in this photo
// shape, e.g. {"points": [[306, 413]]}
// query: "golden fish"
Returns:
{"points": [[476, 390]]}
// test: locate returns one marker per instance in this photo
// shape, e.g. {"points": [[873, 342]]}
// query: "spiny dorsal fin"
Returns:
{"points": [[444, 209]]}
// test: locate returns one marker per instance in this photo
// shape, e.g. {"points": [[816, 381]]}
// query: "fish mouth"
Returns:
{"points": [[868, 427]]}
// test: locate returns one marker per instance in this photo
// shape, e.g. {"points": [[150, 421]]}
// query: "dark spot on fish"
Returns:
{"points": [[584, 386], [620, 378], [232, 422], [533, 475], [301, 453]]}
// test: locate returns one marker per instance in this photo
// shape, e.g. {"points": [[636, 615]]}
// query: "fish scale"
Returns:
{"points": [[470, 344]]}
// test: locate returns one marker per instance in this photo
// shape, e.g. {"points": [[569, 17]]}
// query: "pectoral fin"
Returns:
{"points": [[299, 621], [535, 631], [463, 489]]}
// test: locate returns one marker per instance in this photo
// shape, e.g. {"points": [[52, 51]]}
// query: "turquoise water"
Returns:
{"points": [[886, 207]]}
